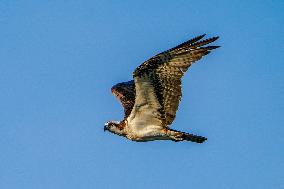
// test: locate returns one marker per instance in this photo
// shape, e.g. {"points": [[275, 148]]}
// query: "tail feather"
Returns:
{"points": [[180, 136], [193, 138]]}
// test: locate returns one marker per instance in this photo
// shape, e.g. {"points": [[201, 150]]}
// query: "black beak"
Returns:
{"points": [[105, 128]]}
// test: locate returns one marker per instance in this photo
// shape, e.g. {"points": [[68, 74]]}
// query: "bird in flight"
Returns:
{"points": [[151, 100]]}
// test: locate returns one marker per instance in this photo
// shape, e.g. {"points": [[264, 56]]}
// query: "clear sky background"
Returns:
{"points": [[59, 59]]}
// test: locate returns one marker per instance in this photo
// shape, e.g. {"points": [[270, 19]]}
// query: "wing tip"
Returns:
{"points": [[215, 38], [211, 47], [200, 44], [201, 36]]}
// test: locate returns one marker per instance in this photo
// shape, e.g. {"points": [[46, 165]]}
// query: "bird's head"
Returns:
{"points": [[114, 127]]}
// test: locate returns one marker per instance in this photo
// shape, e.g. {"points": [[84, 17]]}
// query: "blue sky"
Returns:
{"points": [[59, 59]]}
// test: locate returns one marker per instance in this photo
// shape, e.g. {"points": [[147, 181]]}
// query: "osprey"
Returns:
{"points": [[151, 100]]}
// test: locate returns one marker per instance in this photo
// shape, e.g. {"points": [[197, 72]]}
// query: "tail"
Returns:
{"points": [[193, 138], [180, 136]]}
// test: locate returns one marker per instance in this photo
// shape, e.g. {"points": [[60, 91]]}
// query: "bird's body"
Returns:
{"points": [[151, 100]]}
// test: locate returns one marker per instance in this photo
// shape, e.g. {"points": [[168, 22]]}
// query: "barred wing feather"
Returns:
{"points": [[163, 73]]}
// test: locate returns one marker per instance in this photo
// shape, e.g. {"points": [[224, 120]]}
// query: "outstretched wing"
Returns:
{"points": [[158, 80], [125, 93]]}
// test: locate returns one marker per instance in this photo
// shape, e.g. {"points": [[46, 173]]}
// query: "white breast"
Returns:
{"points": [[144, 125], [144, 119]]}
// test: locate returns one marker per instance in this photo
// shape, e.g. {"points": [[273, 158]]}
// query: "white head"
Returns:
{"points": [[114, 127]]}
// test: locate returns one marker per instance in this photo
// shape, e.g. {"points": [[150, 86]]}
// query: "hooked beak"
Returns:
{"points": [[105, 128]]}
